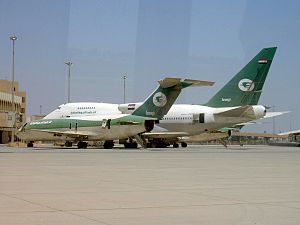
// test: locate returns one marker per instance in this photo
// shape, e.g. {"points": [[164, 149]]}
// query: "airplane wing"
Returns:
{"points": [[221, 136], [273, 114], [294, 132], [70, 133], [268, 115], [164, 134], [206, 137], [254, 134], [83, 127]]}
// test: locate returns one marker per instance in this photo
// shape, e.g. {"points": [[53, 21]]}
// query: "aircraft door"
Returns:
{"points": [[201, 118], [195, 118], [198, 118], [106, 123]]}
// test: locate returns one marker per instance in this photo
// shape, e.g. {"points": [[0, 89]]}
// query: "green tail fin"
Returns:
{"points": [[160, 101], [246, 86]]}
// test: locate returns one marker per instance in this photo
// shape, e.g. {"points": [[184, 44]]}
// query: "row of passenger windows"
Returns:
{"points": [[87, 107], [177, 118]]}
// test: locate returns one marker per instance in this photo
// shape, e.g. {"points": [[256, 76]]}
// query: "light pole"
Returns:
{"points": [[13, 38], [124, 83], [273, 120], [69, 64]]}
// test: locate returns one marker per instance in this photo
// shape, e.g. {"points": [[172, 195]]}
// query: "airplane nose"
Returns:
{"points": [[22, 133], [22, 128]]}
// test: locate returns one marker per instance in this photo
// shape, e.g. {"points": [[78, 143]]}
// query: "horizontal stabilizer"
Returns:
{"points": [[172, 81], [169, 82], [160, 101], [198, 82]]}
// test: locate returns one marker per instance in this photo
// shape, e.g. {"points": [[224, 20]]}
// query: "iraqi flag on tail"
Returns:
{"points": [[263, 61], [131, 106]]}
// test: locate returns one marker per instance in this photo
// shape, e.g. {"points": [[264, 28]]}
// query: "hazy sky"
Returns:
{"points": [[147, 40]]}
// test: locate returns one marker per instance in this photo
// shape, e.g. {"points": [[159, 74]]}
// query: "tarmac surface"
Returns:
{"points": [[197, 185]]}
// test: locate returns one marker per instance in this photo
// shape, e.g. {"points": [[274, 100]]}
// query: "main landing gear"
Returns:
{"points": [[30, 144], [175, 145], [183, 144], [108, 144], [82, 144], [130, 145], [68, 144]]}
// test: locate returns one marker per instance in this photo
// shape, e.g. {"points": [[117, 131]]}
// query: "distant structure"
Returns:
{"points": [[6, 114]]}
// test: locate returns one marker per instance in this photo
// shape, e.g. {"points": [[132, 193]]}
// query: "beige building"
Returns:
{"points": [[7, 116]]}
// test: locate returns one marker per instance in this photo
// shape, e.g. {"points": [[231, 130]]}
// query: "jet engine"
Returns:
{"points": [[259, 111]]}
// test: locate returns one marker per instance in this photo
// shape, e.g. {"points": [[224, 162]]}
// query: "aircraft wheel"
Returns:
{"points": [[149, 145], [134, 145], [108, 144], [183, 144], [153, 145], [85, 144], [80, 144], [161, 144], [130, 145], [68, 144], [30, 145], [175, 145]]}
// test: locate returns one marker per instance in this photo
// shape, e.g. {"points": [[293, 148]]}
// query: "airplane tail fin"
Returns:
{"points": [[246, 86], [160, 101]]}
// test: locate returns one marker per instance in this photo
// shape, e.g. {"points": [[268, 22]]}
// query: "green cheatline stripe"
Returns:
{"points": [[65, 123]]}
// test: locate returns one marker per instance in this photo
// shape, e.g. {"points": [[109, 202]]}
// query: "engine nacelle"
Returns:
{"points": [[259, 111]]}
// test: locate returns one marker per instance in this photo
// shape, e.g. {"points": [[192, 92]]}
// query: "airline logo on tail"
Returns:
{"points": [[246, 85], [160, 99]]}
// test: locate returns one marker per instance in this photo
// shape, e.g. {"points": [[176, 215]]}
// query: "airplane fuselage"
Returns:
{"points": [[192, 119], [103, 127]]}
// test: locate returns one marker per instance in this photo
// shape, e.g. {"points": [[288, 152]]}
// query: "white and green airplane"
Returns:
{"points": [[235, 105], [230, 108], [109, 124]]}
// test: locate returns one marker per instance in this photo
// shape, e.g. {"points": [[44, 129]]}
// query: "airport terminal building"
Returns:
{"points": [[7, 114]]}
